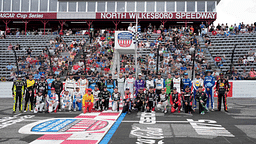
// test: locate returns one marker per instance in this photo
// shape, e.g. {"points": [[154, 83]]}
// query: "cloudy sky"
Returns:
{"points": [[236, 11]]}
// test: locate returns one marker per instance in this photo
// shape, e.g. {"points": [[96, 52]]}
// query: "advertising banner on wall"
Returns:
{"points": [[18, 15]]}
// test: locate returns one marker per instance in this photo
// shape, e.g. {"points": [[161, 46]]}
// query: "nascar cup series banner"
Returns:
{"points": [[124, 41]]}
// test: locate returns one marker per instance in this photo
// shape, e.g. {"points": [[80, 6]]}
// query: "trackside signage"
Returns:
{"points": [[11, 15], [158, 15]]}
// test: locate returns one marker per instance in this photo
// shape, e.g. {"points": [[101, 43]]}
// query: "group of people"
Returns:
{"points": [[171, 94]]}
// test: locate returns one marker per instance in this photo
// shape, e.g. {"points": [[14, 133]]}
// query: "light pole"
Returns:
{"points": [[18, 71], [50, 59], [193, 66], [157, 57]]}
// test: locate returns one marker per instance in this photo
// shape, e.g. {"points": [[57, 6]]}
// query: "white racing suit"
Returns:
{"points": [[159, 85], [53, 102], [70, 86], [177, 83], [150, 83], [164, 99], [120, 84], [83, 85], [39, 103], [116, 101], [77, 96], [130, 82], [66, 102], [96, 98]]}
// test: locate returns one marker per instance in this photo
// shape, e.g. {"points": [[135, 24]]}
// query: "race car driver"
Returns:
{"points": [[66, 101], [39, 102], [175, 100], [88, 101], [77, 99], [222, 88], [162, 101], [52, 101], [188, 100], [18, 90], [139, 83], [201, 97], [209, 82], [116, 99]]}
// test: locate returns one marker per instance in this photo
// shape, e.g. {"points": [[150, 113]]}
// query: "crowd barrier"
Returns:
{"points": [[238, 89]]}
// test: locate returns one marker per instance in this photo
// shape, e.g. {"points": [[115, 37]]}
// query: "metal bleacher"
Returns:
{"points": [[225, 45], [36, 42]]}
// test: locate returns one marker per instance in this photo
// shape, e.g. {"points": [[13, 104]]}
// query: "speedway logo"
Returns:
{"points": [[124, 39]]}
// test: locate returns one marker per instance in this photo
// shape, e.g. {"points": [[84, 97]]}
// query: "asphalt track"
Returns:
{"points": [[235, 127]]}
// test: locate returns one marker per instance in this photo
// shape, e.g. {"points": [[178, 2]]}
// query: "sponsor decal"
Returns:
{"points": [[124, 39], [157, 15]]}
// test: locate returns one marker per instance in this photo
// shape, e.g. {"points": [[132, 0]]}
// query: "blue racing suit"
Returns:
{"points": [[77, 96], [49, 83], [209, 82], [196, 84], [111, 84], [186, 82], [92, 83]]}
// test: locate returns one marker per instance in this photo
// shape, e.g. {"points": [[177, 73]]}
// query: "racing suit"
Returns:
{"points": [[42, 86], [127, 102], [120, 84], [162, 101], [66, 101], [201, 96], [139, 84], [87, 102], [53, 102], [209, 82], [95, 94], [186, 82], [29, 97], [92, 84], [150, 100], [83, 85], [70, 86], [175, 98], [196, 84], [188, 97], [101, 83], [39, 103], [104, 95], [177, 82], [116, 100], [150, 83], [159, 85], [129, 82], [111, 84], [49, 83], [58, 85], [77, 96], [222, 86], [18, 90], [168, 85], [140, 101]]}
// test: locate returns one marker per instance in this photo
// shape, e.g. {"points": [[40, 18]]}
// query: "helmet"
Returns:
{"points": [[52, 88]]}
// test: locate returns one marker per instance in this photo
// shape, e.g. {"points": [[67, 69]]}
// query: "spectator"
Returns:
{"points": [[9, 67], [29, 51], [236, 75], [208, 42], [215, 74], [244, 75], [217, 61], [252, 73]]}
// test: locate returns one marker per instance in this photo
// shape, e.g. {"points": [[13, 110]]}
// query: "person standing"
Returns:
{"points": [[177, 83], [150, 82], [83, 84], [101, 83], [18, 90], [159, 83], [77, 99], [110, 83], [92, 82], [209, 82], [70, 84], [30, 85], [186, 82], [168, 84], [49, 82], [129, 82], [120, 84], [222, 89], [58, 85], [139, 83], [196, 83]]}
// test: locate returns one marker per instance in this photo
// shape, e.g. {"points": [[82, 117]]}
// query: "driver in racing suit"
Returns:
{"points": [[88, 101], [70, 84], [209, 82], [168, 82], [139, 102], [77, 99], [66, 101], [129, 82], [95, 94], [120, 84], [104, 98], [201, 97], [150, 82], [196, 83], [52, 101], [175, 100], [162, 101], [139, 83], [110, 83], [18, 90], [92, 82], [188, 100], [83, 84], [39, 102], [150, 99], [159, 83], [222, 88], [116, 99], [58, 85]]}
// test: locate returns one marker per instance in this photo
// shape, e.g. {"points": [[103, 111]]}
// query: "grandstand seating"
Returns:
{"points": [[36, 42], [225, 45]]}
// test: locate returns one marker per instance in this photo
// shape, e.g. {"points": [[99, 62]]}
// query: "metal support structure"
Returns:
{"points": [[84, 54], [50, 58], [15, 55], [193, 66], [26, 26], [186, 23], [157, 58], [89, 23], [208, 23], [6, 24], [163, 22], [61, 25], [116, 23], [44, 22]]}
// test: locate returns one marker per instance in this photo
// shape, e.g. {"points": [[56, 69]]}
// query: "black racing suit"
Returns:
{"points": [[139, 102], [187, 97], [101, 84], [104, 95], [18, 90], [151, 98], [201, 96], [58, 85], [222, 87], [116, 98]]}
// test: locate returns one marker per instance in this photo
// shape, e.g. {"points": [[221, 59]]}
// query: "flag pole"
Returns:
{"points": [[136, 30]]}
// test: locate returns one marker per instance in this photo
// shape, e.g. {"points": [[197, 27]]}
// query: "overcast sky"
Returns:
{"points": [[236, 11]]}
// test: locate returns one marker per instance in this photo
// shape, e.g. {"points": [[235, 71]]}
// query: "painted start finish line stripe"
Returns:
{"points": [[113, 129]]}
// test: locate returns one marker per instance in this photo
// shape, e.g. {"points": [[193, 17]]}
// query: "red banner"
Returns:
{"points": [[158, 15], [11, 15]]}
